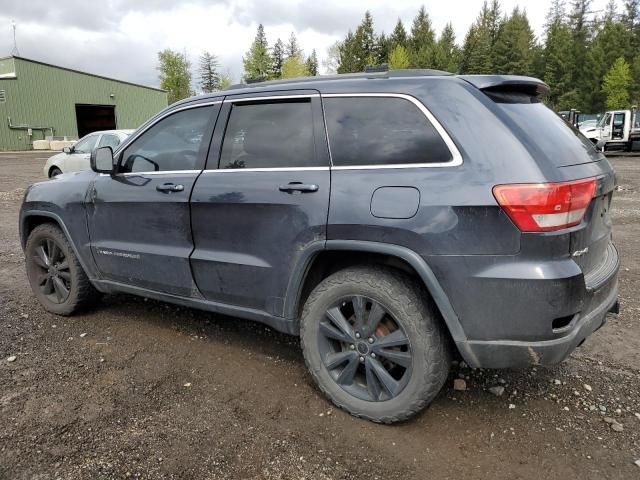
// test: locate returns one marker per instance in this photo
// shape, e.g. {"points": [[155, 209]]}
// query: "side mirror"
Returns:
{"points": [[67, 150], [102, 160]]}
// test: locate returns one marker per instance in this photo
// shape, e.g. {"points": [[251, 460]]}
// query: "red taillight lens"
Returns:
{"points": [[544, 207]]}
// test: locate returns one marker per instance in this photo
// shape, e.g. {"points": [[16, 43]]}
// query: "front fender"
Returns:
{"points": [[61, 200]]}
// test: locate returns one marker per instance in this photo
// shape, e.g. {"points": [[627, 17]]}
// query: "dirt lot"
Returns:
{"points": [[140, 389]]}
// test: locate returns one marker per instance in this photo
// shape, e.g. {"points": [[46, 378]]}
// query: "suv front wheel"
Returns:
{"points": [[374, 343], [54, 272]]}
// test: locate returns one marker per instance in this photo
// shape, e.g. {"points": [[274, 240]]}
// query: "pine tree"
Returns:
{"points": [[399, 35], [293, 48], [365, 43], [312, 64], [611, 41], [277, 55], [477, 52], [616, 85], [513, 49], [422, 41], [383, 49], [557, 57], [209, 77], [399, 58], [257, 61], [447, 53], [349, 61], [581, 75], [631, 20], [175, 74]]}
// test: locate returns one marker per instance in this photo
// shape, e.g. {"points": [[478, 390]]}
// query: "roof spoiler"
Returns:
{"points": [[508, 84]]}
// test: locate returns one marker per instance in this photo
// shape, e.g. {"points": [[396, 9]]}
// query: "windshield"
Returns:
{"points": [[604, 120]]}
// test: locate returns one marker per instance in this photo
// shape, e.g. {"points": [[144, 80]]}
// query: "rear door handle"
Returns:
{"points": [[299, 187], [169, 187]]}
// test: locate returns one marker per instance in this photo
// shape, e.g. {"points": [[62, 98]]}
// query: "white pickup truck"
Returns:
{"points": [[616, 130]]}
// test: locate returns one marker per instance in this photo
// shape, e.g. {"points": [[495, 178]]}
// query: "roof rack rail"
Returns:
{"points": [[260, 79], [369, 74]]}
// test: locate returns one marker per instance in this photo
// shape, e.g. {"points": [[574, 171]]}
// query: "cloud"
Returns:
{"points": [[121, 38]]}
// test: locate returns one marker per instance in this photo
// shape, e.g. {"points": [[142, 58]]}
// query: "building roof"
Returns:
{"points": [[79, 72]]}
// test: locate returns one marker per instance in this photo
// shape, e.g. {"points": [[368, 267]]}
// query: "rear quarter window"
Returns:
{"points": [[381, 131], [543, 132]]}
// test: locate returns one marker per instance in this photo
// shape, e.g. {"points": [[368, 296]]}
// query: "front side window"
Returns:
{"points": [[109, 141], [381, 131], [86, 144], [171, 144], [269, 135]]}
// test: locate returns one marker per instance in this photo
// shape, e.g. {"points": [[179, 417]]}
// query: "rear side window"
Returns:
{"points": [[381, 131], [269, 135]]}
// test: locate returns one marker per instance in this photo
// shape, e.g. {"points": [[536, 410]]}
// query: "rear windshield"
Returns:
{"points": [[545, 133]]}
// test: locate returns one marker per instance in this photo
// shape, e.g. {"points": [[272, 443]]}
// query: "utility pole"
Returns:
{"points": [[15, 52]]}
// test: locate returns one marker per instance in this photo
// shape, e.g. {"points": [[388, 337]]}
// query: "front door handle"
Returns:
{"points": [[299, 187], [169, 187]]}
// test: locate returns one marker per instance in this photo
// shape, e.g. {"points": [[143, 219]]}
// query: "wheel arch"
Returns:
{"points": [[352, 252], [30, 219], [52, 167]]}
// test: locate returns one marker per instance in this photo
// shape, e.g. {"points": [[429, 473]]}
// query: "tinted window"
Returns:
{"points": [[273, 134], [547, 135], [86, 144], [171, 144], [109, 141], [381, 131]]}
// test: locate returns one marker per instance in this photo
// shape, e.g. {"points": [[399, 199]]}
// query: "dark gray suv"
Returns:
{"points": [[391, 219]]}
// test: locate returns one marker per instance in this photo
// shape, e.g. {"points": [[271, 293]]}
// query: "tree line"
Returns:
{"points": [[590, 59], [174, 71], [281, 61], [260, 63]]}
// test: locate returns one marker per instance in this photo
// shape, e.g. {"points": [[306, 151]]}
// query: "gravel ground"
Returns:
{"points": [[141, 389]]}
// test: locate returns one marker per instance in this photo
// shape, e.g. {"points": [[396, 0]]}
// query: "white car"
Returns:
{"points": [[75, 158]]}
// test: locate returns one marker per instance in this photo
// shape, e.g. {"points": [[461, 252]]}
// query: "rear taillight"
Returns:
{"points": [[544, 207]]}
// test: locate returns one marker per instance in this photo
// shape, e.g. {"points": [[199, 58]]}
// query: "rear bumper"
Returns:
{"points": [[601, 298]]}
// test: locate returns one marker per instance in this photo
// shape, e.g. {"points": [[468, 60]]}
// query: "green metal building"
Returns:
{"points": [[38, 100]]}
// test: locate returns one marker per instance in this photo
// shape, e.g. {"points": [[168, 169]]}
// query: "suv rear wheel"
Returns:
{"points": [[374, 343], [54, 272]]}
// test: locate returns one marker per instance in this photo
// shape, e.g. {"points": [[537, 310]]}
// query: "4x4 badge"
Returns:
{"points": [[579, 253]]}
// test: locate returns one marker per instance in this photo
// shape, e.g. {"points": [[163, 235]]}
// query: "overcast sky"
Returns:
{"points": [[121, 38]]}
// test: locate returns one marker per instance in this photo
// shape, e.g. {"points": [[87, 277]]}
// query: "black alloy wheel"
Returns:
{"points": [[52, 270], [365, 349]]}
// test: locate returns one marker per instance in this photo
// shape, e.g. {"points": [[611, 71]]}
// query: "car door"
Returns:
{"points": [[618, 128], [257, 215], [606, 127], [78, 159], [139, 218]]}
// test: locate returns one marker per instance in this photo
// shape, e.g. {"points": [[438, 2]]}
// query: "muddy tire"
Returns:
{"points": [[56, 277], [374, 343]]}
